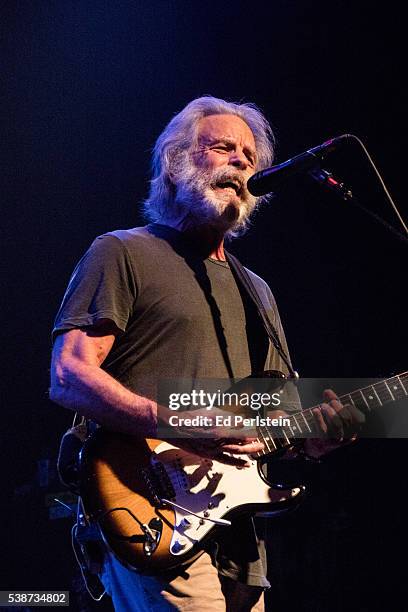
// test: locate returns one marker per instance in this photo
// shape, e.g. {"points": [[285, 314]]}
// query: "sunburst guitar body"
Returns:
{"points": [[156, 504]]}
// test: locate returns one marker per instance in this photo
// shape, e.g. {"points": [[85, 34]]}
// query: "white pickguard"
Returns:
{"points": [[209, 489]]}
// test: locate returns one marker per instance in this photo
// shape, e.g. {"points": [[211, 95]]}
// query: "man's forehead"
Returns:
{"points": [[225, 126]]}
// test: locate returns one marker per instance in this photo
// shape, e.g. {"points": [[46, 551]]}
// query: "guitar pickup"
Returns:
{"points": [[158, 483]]}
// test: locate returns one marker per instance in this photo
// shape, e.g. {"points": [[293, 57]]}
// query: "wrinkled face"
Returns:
{"points": [[221, 161], [226, 141]]}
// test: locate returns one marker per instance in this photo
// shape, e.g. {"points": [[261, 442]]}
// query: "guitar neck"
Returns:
{"points": [[303, 424]]}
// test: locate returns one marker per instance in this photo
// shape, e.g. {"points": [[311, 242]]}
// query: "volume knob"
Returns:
{"points": [[179, 545]]}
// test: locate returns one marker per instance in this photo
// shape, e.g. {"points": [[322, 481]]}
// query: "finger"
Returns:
{"points": [[345, 415], [248, 440], [335, 404], [329, 395], [347, 412], [243, 449], [237, 441], [358, 416], [319, 419], [332, 399], [333, 421], [217, 454], [213, 448]]}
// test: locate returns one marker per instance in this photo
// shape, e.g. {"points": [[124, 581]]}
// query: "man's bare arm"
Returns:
{"points": [[79, 383]]}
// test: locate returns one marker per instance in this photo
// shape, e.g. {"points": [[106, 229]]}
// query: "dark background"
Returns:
{"points": [[90, 85]]}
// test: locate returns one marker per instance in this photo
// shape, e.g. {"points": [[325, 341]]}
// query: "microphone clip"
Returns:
{"points": [[327, 179]]}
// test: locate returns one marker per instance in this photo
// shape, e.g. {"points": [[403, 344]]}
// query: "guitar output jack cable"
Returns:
{"points": [[143, 526]]}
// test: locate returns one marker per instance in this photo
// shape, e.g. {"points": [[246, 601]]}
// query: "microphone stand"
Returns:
{"points": [[325, 178]]}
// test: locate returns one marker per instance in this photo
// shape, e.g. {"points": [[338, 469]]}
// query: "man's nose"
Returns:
{"points": [[238, 160]]}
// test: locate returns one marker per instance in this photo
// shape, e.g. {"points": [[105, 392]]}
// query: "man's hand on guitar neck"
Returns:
{"points": [[338, 423]]}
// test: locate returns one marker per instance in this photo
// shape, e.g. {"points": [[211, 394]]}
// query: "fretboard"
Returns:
{"points": [[303, 424]]}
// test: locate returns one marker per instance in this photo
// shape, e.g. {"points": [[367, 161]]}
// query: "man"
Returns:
{"points": [[161, 302]]}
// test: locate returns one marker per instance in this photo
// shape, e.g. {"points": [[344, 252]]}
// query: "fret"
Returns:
{"points": [[373, 388], [365, 401], [306, 423], [348, 399], [400, 378], [389, 391], [356, 399], [373, 401], [264, 440], [292, 431], [270, 438], [280, 443], [261, 452], [396, 387], [313, 428], [382, 392], [297, 426], [286, 436]]}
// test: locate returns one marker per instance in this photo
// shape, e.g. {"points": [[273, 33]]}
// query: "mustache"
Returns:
{"points": [[224, 175]]}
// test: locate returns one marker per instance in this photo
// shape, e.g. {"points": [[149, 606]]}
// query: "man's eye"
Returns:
{"points": [[250, 158]]}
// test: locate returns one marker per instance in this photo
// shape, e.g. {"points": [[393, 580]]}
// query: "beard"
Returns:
{"points": [[214, 196]]}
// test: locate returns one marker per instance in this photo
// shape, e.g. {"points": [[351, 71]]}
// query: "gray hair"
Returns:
{"points": [[179, 137]]}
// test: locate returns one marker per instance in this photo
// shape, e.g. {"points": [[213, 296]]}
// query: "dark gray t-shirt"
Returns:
{"points": [[182, 316]]}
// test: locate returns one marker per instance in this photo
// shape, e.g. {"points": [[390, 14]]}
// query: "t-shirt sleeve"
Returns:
{"points": [[102, 286]]}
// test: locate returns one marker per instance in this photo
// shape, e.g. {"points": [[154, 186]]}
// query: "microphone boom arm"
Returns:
{"points": [[327, 179]]}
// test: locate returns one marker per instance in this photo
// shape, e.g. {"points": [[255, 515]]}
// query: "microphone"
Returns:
{"points": [[269, 179]]}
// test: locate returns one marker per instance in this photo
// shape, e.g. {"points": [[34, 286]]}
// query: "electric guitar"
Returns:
{"points": [[155, 504]]}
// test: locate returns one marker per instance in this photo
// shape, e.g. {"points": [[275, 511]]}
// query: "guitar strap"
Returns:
{"points": [[245, 280]]}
